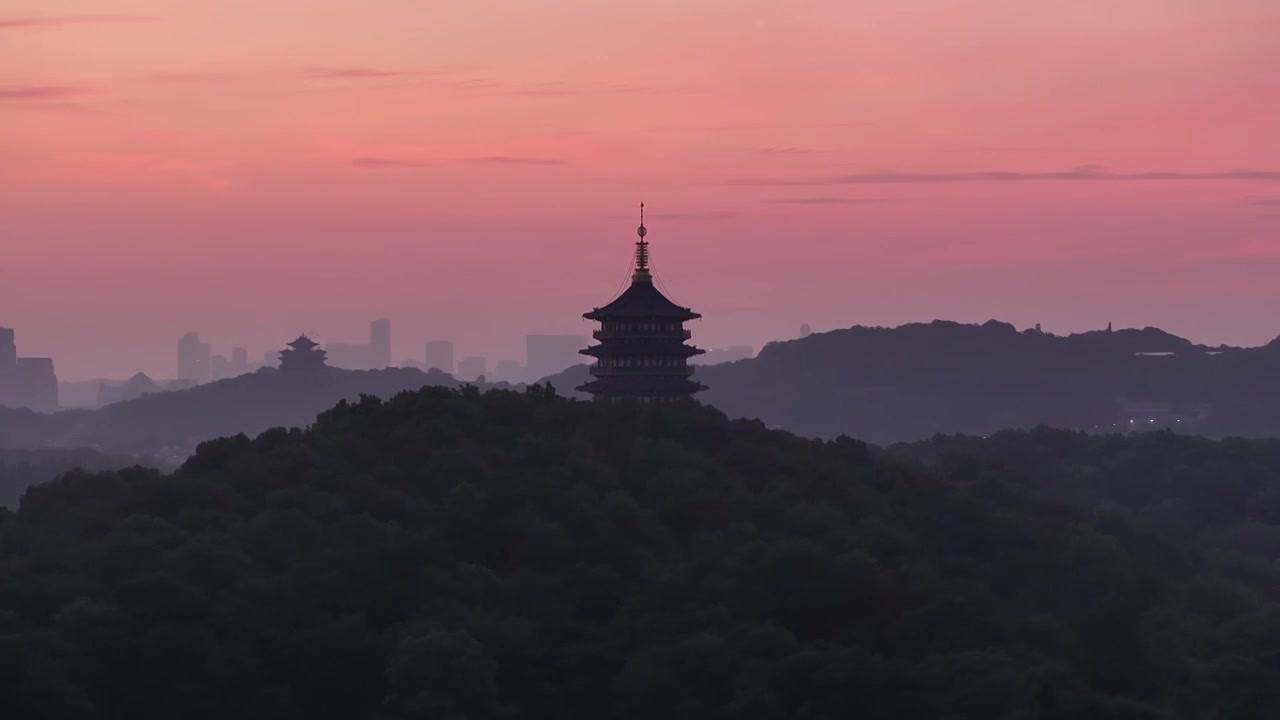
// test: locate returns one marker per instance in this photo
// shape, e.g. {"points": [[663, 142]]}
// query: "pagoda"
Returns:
{"points": [[642, 353], [303, 355]]}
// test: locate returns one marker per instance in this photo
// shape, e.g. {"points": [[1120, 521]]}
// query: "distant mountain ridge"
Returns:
{"points": [[887, 385], [881, 385], [170, 424]]}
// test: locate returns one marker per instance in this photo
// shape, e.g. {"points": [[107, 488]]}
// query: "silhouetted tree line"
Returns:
{"points": [[22, 468], [448, 554]]}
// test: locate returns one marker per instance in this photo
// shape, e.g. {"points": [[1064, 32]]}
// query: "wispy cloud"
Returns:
{"points": [[652, 215], [1000, 149], [1266, 202], [476, 84], [41, 92], [383, 163], [311, 73], [825, 201], [512, 160], [350, 73], [786, 150], [202, 76], [1082, 174], [549, 89], [17, 23], [60, 107], [561, 89], [380, 163], [709, 215]]}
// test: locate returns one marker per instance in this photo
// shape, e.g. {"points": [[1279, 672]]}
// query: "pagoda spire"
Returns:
{"points": [[642, 253]]}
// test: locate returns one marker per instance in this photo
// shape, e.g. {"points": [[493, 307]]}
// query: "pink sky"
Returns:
{"points": [[470, 168]]}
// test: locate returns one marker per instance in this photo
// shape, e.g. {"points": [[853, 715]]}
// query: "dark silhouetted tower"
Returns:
{"points": [[642, 353]]}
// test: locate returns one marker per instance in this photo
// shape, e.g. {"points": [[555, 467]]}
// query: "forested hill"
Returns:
{"points": [[447, 554], [886, 385]]}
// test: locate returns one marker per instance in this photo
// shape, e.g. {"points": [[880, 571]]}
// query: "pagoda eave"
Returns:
{"points": [[614, 349]]}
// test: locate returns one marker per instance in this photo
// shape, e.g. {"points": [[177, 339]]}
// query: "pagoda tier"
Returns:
{"points": [[642, 353]]}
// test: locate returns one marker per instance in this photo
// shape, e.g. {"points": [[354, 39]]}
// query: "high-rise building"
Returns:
{"points": [[804, 330], [8, 348], [440, 356], [380, 342], [550, 354], [193, 359], [219, 367], [373, 355], [471, 368], [642, 353], [239, 362], [25, 382], [37, 385], [508, 371]]}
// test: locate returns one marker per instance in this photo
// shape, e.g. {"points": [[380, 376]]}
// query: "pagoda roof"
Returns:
{"points": [[303, 343], [642, 300], [627, 346]]}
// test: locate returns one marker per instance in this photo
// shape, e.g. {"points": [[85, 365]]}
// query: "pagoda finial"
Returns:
{"points": [[642, 250]]}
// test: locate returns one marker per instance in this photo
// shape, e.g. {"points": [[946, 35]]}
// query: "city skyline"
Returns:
{"points": [[409, 351], [168, 167]]}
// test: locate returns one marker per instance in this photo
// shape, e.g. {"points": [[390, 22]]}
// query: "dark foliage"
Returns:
{"points": [[20, 469], [447, 554]]}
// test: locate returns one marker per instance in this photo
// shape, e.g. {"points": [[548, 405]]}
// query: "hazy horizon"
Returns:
{"points": [[471, 171]]}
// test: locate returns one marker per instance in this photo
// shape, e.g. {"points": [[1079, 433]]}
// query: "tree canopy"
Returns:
{"points": [[24, 467], [453, 554]]}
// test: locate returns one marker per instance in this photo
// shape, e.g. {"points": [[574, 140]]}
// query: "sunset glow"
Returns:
{"points": [[471, 170]]}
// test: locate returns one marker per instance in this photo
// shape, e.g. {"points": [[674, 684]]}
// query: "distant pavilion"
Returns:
{"points": [[303, 355]]}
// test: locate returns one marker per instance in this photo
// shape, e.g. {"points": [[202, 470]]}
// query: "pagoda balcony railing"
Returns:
{"points": [[598, 371], [642, 334]]}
